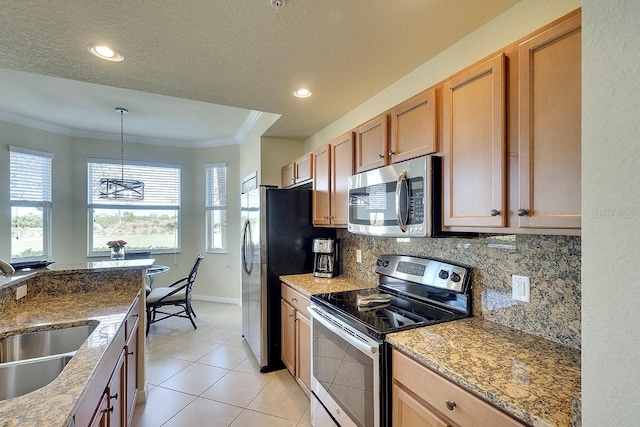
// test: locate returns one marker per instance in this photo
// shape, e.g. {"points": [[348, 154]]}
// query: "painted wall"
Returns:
{"points": [[251, 144], [611, 213], [276, 152], [522, 19]]}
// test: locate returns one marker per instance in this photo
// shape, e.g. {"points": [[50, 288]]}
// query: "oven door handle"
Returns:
{"points": [[341, 331]]}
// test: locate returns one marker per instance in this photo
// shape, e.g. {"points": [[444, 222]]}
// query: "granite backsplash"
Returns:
{"points": [[552, 263]]}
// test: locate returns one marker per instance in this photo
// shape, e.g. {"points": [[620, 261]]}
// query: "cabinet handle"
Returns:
{"points": [[391, 153], [326, 217], [291, 315], [114, 397], [521, 212], [380, 157], [494, 212], [450, 404], [294, 299], [104, 411], [130, 353]]}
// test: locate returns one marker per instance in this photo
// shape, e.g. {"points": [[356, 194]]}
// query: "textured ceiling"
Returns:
{"points": [[238, 53]]}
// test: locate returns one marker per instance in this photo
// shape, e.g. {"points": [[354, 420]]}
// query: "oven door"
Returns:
{"points": [[345, 373]]}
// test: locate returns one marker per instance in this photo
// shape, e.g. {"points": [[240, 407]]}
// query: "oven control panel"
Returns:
{"points": [[424, 271]]}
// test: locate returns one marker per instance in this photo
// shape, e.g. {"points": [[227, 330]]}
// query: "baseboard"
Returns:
{"points": [[216, 299]]}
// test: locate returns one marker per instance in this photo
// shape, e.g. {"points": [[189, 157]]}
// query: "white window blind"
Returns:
{"points": [[216, 185], [216, 207], [30, 175], [161, 182]]}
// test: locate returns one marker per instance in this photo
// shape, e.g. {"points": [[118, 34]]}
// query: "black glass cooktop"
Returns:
{"points": [[380, 319]]}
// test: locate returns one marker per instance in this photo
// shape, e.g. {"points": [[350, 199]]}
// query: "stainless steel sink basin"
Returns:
{"points": [[43, 343], [32, 360], [23, 377]]}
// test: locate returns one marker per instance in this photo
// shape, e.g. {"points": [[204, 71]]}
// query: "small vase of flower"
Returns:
{"points": [[117, 249]]}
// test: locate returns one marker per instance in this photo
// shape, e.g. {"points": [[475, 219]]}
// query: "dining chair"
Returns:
{"points": [[176, 294]]}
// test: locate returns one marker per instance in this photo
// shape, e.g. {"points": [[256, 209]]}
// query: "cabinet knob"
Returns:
{"points": [[108, 410], [380, 157], [294, 299], [326, 217], [450, 404], [494, 212], [114, 397], [391, 153], [521, 212], [291, 315], [130, 353]]}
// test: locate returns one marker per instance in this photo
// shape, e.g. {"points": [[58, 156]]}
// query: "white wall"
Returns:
{"points": [[250, 146], [611, 213], [275, 153]]}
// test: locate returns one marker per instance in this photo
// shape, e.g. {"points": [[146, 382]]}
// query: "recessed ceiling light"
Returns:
{"points": [[105, 52], [302, 93]]}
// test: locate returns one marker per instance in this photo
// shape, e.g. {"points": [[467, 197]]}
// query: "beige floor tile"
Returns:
{"points": [[218, 335], [203, 412], [250, 366], [282, 397], [225, 356], [236, 388], [161, 368], [161, 405], [306, 417], [238, 341], [195, 379], [256, 419], [186, 349]]}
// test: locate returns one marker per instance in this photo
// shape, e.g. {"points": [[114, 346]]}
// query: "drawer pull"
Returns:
{"points": [[294, 299], [450, 405], [114, 397], [107, 410], [130, 353]]}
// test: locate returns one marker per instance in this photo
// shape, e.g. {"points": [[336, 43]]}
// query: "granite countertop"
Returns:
{"points": [[55, 403], [307, 284], [533, 379]]}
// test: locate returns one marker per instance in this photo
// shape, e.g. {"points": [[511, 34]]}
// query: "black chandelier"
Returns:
{"points": [[121, 189]]}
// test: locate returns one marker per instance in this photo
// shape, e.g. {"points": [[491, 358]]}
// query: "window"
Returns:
{"points": [[30, 195], [149, 224], [216, 206]]}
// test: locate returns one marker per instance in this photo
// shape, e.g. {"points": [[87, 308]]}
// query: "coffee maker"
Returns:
{"points": [[325, 262]]}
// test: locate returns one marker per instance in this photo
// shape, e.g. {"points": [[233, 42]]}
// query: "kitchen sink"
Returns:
{"points": [[31, 360], [18, 378], [44, 343]]}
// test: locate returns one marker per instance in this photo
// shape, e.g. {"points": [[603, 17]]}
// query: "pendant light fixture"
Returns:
{"points": [[121, 189]]}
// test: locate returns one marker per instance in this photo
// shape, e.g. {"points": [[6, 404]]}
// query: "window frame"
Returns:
{"points": [[45, 205], [133, 206], [209, 209]]}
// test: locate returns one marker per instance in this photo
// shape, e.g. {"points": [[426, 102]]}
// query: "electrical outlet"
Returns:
{"points": [[358, 255], [21, 291], [520, 288]]}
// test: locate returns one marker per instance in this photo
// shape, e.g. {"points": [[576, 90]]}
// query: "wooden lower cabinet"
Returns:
{"points": [[422, 397], [110, 398], [296, 336]]}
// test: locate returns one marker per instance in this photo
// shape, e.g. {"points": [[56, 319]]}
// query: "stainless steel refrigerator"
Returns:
{"points": [[277, 238]]}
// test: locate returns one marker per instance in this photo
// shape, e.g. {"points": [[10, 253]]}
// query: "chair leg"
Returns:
{"points": [[148, 320], [188, 310]]}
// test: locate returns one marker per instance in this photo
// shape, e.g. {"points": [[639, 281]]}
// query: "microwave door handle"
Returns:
{"points": [[402, 192]]}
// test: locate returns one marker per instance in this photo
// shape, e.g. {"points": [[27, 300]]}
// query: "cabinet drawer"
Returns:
{"points": [[296, 299], [435, 390]]}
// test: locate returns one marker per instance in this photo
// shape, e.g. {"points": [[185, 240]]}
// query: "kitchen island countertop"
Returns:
{"points": [[535, 380]]}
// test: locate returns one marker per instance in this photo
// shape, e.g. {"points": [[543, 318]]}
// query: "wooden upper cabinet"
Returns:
{"points": [[413, 127], [341, 170], [474, 146], [298, 172], [550, 128], [372, 144], [321, 185], [288, 175]]}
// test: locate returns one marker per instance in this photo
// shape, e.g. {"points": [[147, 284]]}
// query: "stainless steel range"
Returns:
{"points": [[351, 362]]}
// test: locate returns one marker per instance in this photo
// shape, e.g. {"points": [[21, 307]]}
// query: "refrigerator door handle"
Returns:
{"points": [[246, 241]]}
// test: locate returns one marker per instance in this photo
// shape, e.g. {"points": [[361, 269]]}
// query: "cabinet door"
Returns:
{"points": [[116, 391], [321, 185], [288, 337], [474, 152], [101, 417], [413, 127], [341, 170], [288, 175], [303, 350], [550, 128], [131, 367], [409, 412], [304, 168], [372, 144]]}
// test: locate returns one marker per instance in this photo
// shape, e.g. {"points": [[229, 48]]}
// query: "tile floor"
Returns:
{"points": [[209, 377]]}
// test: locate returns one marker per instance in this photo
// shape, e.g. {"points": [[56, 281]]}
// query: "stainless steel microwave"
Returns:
{"points": [[399, 200]]}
